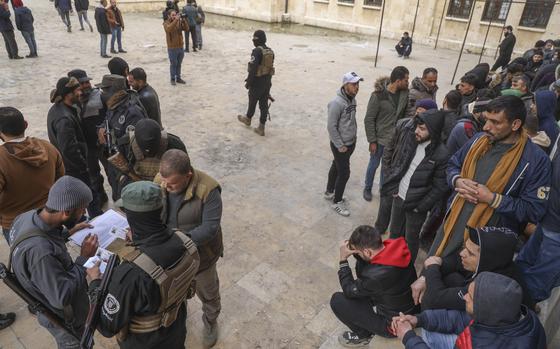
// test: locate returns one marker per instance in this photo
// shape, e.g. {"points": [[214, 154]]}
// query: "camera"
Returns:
{"points": [[182, 15]]}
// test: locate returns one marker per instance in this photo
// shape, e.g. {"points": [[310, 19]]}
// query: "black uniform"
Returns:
{"points": [[506, 50], [132, 292], [259, 86]]}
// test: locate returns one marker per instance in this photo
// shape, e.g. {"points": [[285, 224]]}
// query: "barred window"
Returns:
{"points": [[496, 10], [460, 8], [536, 13], [373, 2]]}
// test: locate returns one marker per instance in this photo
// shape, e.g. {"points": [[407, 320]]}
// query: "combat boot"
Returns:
{"points": [[259, 130], [244, 119]]}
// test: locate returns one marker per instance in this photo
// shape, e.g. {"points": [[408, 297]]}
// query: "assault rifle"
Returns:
{"points": [[272, 100], [34, 304], [114, 156], [97, 297]]}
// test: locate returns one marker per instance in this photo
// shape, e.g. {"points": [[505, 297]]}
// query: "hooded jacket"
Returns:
{"points": [[427, 184], [24, 19], [385, 280], [463, 130], [418, 91], [382, 112], [498, 321], [136, 294], [546, 106], [446, 284], [524, 196], [81, 5], [28, 169], [341, 122]]}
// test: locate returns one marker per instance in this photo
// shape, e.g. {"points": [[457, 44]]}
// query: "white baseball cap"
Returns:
{"points": [[351, 78]]}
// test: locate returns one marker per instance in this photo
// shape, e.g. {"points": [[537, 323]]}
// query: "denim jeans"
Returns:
{"points": [[103, 44], [374, 162], [30, 40], [199, 35], [116, 34], [65, 16], [176, 56], [82, 16], [11, 44], [437, 340], [539, 262]]}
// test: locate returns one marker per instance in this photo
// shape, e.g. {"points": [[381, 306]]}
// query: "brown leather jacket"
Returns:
{"points": [[115, 18]]}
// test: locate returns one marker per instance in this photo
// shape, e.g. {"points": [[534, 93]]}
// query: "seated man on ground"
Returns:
{"points": [[444, 281], [382, 288], [404, 46], [491, 320]]}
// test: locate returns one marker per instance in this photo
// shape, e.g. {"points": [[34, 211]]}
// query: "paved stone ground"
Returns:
{"points": [[280, 235]]}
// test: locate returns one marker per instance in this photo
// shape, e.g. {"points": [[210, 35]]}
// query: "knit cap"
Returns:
{"points": [[69, 193], [426, 104]]}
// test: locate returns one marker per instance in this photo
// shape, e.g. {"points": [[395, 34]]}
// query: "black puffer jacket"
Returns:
{"points": [[428, 183], [386, 279]]}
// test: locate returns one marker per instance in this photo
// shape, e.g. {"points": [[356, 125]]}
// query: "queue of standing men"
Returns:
{"points": [[173, 210], [474, 183]]}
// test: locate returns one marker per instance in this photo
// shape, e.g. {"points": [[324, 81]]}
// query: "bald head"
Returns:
{"points": [[175, 162]]}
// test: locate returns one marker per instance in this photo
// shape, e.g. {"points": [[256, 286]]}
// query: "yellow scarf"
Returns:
{"points": [[496, 184]]}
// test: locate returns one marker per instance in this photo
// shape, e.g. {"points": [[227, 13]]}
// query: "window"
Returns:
{"points": [[496, 10], [376, 3], [346, 1], [536, 14], [460, 8]]}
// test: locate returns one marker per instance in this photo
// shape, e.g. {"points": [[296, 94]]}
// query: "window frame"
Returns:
{"points": [[504, 7], [537, 7], [459, 12]]}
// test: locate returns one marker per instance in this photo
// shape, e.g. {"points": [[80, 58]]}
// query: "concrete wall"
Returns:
{"points": [[399, 17]]}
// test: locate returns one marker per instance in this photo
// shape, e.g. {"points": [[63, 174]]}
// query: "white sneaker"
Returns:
{"points": [[328, 196], [340, 208]]}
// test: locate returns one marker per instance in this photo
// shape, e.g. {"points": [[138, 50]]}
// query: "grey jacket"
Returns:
{"points": [[382, 113], [417, 92], [45, 269], [341, 123]]}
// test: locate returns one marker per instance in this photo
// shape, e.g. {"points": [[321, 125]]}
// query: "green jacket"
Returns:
{"points": [[382, 113]]}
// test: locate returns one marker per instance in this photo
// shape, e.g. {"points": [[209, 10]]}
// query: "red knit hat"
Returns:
{"points": [[17, 3]]}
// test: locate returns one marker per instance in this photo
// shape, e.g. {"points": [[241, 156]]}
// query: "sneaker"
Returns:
{"points": [[349, 339], [340, 208], [181, 81], [105, 56], [6, 320], [328, 195], [367, 195], [210, 334], [122, 51]]}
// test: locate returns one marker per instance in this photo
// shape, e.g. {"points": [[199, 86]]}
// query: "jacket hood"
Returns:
{"points": [[497, 300], [541, 139], [117, 99], [434, 120], [340, 93], [497, 246], [381, 83], [30, 151], [546, 105], [395, 254], [417, 84]]}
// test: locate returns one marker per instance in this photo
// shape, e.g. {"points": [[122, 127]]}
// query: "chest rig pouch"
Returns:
{"points": [[147, 167], [267, 63], [174, 284]]}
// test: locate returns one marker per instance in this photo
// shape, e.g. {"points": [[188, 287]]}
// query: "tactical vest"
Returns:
{"points": [[174, 284], [189, 216], [267, 62], [147, 167]]}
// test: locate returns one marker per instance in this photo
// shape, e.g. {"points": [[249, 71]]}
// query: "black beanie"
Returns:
{"points": [[118, 66], [148, 136]]}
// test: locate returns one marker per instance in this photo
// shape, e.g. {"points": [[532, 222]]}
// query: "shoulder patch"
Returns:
{"points": [[111, 304]]}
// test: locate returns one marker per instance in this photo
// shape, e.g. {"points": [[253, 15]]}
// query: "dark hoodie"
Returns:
{"points": [[386, 279], [28, 169], [446, 284], [427, 184], [546, 106], [134, 290], [498, 320]]}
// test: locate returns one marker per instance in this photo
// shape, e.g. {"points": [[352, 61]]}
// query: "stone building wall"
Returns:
{"points": [[398, 17]]}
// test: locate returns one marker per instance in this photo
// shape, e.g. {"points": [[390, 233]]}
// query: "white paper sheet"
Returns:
{"points": [[101, 254], [109, 226]]}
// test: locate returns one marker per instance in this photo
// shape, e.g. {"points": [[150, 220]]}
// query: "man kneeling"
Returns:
{"points": [[381, 290]]}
